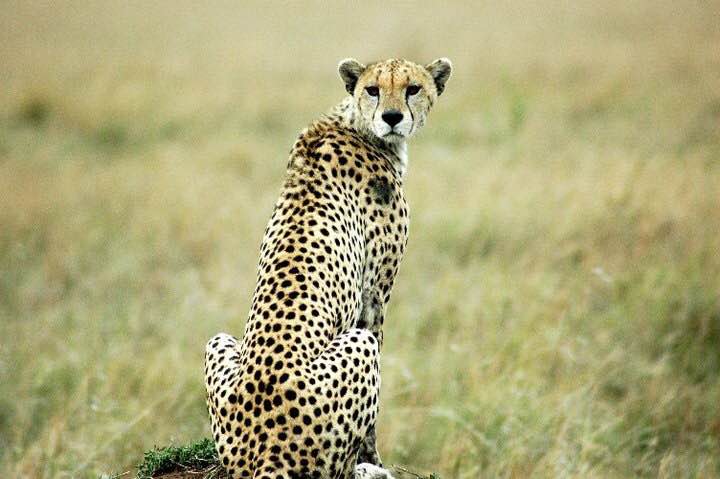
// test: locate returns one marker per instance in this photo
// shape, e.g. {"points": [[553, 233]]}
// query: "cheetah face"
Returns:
{"points": [[392, 98]]}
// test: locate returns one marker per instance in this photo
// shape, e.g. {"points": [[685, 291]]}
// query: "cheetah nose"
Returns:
{"points": [[392, 117]]}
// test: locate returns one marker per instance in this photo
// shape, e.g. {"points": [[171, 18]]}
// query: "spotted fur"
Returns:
{"points": [[297, 397]]}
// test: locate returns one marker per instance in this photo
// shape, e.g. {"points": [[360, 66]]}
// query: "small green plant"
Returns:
{"points": [[197, 457], [407, 472]]}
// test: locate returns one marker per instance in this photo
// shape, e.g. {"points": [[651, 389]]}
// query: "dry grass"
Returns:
{"points": [[557, 313]]}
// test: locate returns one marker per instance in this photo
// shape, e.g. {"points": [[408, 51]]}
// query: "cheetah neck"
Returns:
{"points": [[402, 156], [345, 112]]}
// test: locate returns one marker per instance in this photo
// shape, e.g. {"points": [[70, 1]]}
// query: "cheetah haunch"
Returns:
{"points": [[298, 396]]}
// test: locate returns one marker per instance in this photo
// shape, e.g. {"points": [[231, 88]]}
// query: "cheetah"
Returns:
{"points": [[297, 397]]}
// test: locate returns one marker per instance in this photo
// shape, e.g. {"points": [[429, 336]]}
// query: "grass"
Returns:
{"points": [[198, 458], [557, 313]]}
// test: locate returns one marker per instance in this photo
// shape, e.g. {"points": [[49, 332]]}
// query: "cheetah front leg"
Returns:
{"points": [[372, 315], [370, 471], [348, 366], [371, 318], [368, 452]]}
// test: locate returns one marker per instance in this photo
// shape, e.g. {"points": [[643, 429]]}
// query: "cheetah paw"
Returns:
{"points": [[371, 471]]}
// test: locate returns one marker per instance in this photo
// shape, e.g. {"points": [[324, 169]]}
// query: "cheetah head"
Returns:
{"points": [[392, 98]]}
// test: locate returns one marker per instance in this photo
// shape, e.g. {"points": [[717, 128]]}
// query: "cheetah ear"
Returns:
{"points": [[350, 70], [440, 70]]}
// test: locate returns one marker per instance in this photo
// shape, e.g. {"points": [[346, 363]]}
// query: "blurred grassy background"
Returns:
{"points": [[557, 313]]}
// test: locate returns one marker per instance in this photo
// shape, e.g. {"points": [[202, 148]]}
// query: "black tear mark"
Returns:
{"points": [[381, 189]]}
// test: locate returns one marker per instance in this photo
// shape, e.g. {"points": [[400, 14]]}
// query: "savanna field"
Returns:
{"points": [[557, 313]]}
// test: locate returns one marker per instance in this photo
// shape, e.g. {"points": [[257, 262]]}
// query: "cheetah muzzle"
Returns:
{"points": [[297, 397]]}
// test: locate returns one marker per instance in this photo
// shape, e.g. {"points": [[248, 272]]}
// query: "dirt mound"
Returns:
{"points": [[209, 473]]}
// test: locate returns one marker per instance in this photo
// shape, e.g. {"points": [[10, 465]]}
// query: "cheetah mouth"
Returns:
{"points": [[392, 134]]}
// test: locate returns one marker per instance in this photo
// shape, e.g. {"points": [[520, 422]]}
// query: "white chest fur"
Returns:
{"points": [[401, 152]]}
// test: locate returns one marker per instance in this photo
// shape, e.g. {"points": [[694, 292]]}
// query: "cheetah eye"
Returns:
{"points": [[413, 90], [372, 90]]}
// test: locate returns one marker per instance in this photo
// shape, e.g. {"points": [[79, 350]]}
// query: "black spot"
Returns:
{"points": [[381, 190]]}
